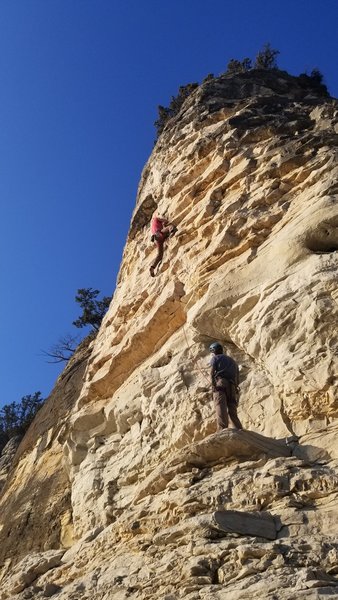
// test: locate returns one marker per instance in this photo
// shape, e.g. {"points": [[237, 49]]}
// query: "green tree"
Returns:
{"points": [[9, 419], [15, 418], [208, 77], [167, 113], [233, 66], [162, 119], [266, 58], [93, 310], [27, 409], [317, 76], [246, 64], [315, 80], [237, 66]]}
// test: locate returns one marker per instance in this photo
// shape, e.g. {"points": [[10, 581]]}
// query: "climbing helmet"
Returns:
{"points": [[216, 348]]}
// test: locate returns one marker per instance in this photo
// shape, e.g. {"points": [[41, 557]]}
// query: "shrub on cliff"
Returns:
{"points": [[15, 418], [317, 76], [315, 80], [166, 113], [266, 58], [238, 66], [93, 310], [208, 77]]}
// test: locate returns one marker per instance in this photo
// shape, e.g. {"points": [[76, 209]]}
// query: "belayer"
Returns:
{"points": [[161, 230], [224, 381]]}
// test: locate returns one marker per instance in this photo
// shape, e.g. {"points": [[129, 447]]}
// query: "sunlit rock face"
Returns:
{"points": [[248, 173], [162, 507]]}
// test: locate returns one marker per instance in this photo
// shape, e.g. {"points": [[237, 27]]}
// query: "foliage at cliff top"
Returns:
{"points": [[265, 60], [166, 113]]}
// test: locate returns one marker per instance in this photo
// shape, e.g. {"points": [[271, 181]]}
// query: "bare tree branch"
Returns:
{"points": [[63, 350]]}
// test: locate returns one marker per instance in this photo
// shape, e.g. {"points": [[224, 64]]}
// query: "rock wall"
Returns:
{"points": [[161, 505], [35, 506]]}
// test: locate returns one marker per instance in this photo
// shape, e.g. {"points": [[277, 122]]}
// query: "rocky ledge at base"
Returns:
{"points": [[215, 449]]}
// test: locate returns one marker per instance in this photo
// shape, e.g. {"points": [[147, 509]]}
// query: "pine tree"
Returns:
{"points": [[15, 418], [93, 310], [167, 113], [266, 58], [237, 66]]}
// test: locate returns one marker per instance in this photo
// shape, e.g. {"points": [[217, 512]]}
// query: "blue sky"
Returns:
{"points": [[80, 81]]}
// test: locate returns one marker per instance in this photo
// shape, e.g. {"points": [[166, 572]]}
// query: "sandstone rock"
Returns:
{"points": [[7, 456], [319, 445], [29, 569], [35, 504], [211, 450], [156, 504], [255, 524]]}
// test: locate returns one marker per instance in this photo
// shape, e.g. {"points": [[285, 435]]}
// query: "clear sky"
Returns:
{"points": [[80, 81]]}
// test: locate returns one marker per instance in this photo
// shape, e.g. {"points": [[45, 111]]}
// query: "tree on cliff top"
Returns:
{"points": [[266, 58], [238, 66], [316, 80], [93, 310], [166, 113]]}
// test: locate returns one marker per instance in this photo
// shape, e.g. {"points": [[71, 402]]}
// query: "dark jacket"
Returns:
{"points": [[225, 367]]}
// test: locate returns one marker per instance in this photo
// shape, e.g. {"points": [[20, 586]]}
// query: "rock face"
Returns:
{"points": [[7, 456], [160, 505], [35, 505]]}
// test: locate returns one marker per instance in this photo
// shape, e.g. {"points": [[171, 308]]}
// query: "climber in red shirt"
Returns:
{"points": [[161, 229]]}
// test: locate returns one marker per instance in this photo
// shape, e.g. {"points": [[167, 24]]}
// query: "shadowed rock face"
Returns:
{"points": [[35, 505], [161, 506], [7, 456]]}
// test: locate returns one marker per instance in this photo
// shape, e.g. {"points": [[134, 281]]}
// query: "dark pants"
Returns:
{"points": [[224, 395], [160, 238]]}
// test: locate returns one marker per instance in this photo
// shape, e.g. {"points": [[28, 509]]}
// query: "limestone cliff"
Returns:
{"points": [[160, 506]]}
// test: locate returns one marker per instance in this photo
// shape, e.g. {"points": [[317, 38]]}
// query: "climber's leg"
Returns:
{"points": [[159, 241], [220, 402], [232, 404], [232, 408]]}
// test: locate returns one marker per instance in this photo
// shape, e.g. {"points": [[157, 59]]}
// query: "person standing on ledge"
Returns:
{"points": [[161, 230], [224, 381]]}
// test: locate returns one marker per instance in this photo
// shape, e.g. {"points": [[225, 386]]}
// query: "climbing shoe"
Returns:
{"points": [[152, 271]]}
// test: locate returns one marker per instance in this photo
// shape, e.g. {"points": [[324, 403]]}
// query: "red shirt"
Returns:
{"points": [[157, 224]]}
